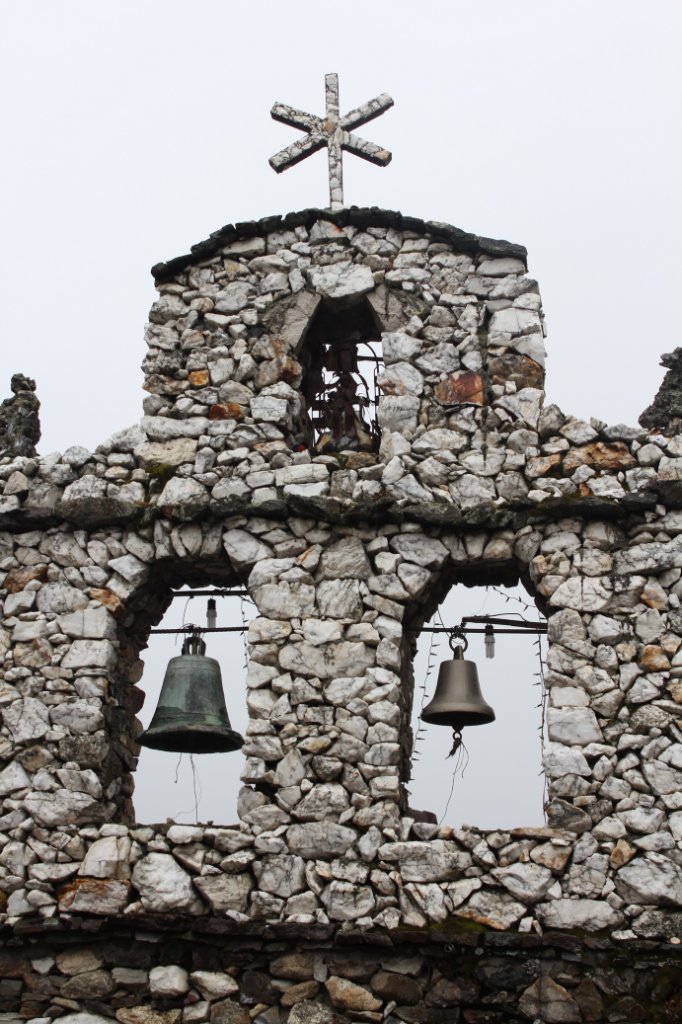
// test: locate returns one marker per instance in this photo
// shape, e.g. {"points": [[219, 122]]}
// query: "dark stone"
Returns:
{"points": [[229, 1012], [427, 1015], [626, 1009], [452, 992], [293, 966], [396, 986], [19, 419], [561, 814], [90, 985], [665, 412], [590, 1002], [522, 370], [499, 973], [352, 967], [256, 987]]}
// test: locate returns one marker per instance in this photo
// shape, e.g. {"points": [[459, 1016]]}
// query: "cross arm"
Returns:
{"points": [[367, 112], [297, 151], [295, 118], [367, 150]]}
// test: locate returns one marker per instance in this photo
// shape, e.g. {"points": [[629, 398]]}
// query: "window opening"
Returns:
{"points": [[203, 787], [342, 360], [502, 785]]}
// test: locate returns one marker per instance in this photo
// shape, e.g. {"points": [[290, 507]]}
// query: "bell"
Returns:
{"points": [[458, 700], [191, 716]]}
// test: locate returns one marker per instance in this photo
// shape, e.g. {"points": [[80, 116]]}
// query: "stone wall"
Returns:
{"points": [[345, 555]]}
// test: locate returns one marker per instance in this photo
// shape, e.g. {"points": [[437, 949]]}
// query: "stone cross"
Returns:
{"points": [[334, 132]]}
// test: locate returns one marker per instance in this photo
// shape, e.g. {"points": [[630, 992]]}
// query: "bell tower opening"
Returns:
{"points": [[341, 358], [188, 668], [495, 778]]}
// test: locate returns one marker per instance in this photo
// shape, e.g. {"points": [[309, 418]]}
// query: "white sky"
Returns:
{"points": [[131, 130]]}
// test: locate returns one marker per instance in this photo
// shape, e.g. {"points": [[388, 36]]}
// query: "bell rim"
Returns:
{"points": [[177, 740]]}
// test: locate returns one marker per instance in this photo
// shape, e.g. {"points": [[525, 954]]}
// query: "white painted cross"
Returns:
{"points": [[334, 132]]}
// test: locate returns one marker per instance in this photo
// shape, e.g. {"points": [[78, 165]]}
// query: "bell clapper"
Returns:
{"points": [[456, 742]]}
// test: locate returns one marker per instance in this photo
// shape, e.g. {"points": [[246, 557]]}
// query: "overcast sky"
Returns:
{"points": [[133, 129]]}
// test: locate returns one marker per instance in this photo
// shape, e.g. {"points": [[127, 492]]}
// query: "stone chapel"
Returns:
{"points": [[347, 519]]}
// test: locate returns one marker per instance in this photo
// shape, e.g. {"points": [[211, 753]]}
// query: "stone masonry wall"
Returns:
{"points": [[345, 555]]}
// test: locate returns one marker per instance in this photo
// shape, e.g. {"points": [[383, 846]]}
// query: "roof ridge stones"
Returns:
{"points": [[354, 216]]}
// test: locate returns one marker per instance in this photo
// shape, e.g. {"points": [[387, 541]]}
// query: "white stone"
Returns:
{"points": [[233, 297], [163, 428], [346, 559], [340, 599], [342, 280], [91, 623], [57, 598], [108, 858], [100, 654], [560, 760], [183, 497], [27, 720], [493, 908], [401, 379], [582, 594], [282, 875], [12, 778], [168, 981], [78, 716], [437, 861], [573, 726], [347, 902], [130, 568], [320, 839], [589, 915], [243, 549], [286, 600], [214, 985], [398, 413], [397, 346], [326, 661], [650, 879], [61, 807], [164, 886], [527, 882]]}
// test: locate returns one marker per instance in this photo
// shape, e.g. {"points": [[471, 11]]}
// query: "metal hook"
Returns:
{"points": [[457, 638]]}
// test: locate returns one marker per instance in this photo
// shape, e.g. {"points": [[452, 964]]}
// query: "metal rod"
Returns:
{"points": [[539, 628], [202, 629], [209, 593]]}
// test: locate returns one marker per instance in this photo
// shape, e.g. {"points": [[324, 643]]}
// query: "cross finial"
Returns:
{"points": [[334, 132]]}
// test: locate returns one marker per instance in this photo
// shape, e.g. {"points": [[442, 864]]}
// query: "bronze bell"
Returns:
{"points": [[458, 701], [191, 716]]}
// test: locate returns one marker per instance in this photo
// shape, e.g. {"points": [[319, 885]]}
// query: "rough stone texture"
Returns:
{"points": [[341, 552]]}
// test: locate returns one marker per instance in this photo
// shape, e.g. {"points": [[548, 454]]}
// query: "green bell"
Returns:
{"points": [[191, 716]]}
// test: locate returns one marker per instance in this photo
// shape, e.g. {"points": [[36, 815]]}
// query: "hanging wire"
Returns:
{"points": [[434, 644], [196, 789], [461, 754]]}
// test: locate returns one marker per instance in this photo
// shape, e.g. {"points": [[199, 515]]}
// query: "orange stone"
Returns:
{"points": [[16, 579], [541, 465], [461, 387], [621, 854], [599, 455], [653, 659], [226, 411], [674, 688], [107, 598], [199, 378], [521, 370]]}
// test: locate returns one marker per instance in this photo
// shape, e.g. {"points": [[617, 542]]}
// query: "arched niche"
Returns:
{"points": [[477, 561], [145, 610]]}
